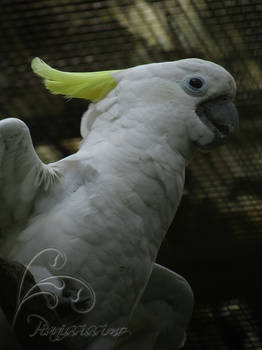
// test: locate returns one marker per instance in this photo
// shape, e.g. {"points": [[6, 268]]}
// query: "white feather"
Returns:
{"points": [[109, 206]]}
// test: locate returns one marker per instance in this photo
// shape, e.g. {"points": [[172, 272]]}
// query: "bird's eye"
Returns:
{"points": [[194, 85]]}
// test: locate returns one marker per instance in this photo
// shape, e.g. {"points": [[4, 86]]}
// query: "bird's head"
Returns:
{"points": [[190, 100], [197, 94]]}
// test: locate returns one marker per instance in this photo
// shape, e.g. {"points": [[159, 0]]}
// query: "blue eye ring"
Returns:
{"points": [[194, 85]]}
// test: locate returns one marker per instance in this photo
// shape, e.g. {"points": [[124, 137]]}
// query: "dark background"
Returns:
{"points": [[216, 238]]}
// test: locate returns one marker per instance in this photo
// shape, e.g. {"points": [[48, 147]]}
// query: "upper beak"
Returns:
{"points": [[221, 116]]}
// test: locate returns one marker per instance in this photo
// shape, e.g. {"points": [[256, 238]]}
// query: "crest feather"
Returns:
{"points": [[92, 86]]}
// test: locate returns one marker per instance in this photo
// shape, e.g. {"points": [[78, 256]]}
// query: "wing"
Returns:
{"points": [[22, 173], [162, 316]]}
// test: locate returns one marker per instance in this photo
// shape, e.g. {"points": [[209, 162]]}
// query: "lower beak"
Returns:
{"points": [[221, 116]]}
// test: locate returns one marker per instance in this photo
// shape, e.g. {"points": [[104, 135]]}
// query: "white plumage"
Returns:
{"points": [[108, 206]]}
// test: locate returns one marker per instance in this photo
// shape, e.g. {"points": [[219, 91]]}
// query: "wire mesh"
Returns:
{"points": [[229, 324]]}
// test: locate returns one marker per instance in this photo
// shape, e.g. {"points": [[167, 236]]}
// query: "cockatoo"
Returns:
{"points": [[108, 206]]}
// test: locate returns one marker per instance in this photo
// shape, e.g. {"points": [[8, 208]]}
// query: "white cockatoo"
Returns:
{"points": [[108, 206]]}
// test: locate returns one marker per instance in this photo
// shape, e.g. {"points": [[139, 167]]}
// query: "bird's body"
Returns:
{"points": [[108, 206]]}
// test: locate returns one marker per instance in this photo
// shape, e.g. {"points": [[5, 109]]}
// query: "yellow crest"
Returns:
{"points": [[92, 86]]}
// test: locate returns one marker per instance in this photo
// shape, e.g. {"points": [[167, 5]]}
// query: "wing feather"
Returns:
{"points": [[162, 315], [22, 173]]}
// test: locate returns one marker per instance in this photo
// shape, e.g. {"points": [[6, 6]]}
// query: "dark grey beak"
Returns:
{"points": [[221, 116]]}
